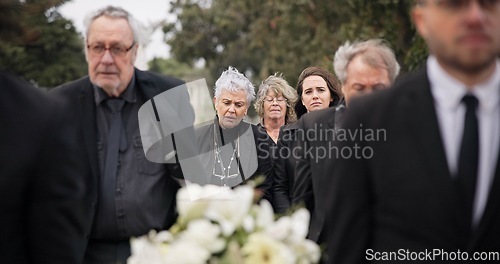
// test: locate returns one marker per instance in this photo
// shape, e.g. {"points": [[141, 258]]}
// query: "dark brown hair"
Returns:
{"points": [[331, 81]]}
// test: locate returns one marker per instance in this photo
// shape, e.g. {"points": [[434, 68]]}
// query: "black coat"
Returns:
{"points": [[403, 197], [316, 138], [82, 108], [292, 181], [41, 189], [285, 164]]}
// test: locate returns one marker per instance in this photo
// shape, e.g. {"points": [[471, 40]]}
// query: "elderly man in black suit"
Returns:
{"points": [[41, 189], [362, 67], [430, 190], [128, 195]]}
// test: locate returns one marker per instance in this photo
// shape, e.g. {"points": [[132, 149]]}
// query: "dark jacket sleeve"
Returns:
{"points": [[265, 162], [56, 220], [41, 191], [302, 193], [349, 200], [281, 190]]}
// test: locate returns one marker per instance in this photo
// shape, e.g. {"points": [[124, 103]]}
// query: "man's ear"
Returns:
{"points": [[134, 52], [215, 101], [417, 16]]}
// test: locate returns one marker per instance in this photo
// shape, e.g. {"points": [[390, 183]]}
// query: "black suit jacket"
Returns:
{"points": [[82, 109], [41, 191], [285, 168], [403, 196], [317, 134]]}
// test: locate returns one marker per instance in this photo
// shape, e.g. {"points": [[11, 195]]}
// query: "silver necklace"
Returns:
{"points": [[225, 172]]}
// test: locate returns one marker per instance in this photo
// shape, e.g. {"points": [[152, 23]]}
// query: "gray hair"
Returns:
{"points": [[114, 12], [278, 85], [233, 81], [373, 51]]}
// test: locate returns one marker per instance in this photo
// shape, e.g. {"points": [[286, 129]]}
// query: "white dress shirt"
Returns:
{"points": [[448, 93]]}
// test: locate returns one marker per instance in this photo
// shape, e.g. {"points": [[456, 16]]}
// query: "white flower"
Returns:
{"points": [[280, 229], [265, 214], [162, 236], [145, 252], [300, 223], [230, 208], [307, 252], [249, 224], [292, 229], [223, 225], [186, 252], [263, 249], [189, 208], [205, 234], [231, 255]]}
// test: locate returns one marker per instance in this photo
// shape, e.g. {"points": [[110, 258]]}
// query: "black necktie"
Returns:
{"points": [[116, 140], [469, 154]]}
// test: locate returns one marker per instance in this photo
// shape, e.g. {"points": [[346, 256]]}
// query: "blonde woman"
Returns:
{"points": [[275, 105]]}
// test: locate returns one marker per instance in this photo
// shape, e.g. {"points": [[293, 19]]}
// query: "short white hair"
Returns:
{"points": [[233, 81], [115, 12], [373, 51]]}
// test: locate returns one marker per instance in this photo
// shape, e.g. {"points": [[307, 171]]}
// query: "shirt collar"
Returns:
{"points": [[488, 93], [129, 95], [448, 91]]}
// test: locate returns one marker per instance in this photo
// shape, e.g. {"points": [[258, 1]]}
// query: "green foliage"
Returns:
{"points": [[389, 20], [261, 37], [45, 49], [417, 54], [172, 67]]}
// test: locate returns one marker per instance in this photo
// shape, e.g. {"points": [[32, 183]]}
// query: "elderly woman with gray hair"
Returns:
{"points": [[275, 105], [234, 150]]}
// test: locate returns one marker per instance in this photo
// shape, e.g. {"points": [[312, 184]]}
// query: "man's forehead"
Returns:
{"points": [[112, 28]]}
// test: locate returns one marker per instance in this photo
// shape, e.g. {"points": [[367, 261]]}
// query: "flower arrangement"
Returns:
{"points": [[218, 225]]}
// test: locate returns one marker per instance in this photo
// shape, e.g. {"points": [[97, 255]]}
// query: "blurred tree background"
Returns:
{"points": [[37, 43], [259, 37]]}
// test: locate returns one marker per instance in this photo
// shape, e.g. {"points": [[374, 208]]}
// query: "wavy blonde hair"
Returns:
{"points": [[280, 86]]}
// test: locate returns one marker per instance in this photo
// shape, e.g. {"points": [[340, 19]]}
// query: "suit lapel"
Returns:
{"points": [[145, 85], [88, 119], [334, 121], [425, 128]]}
